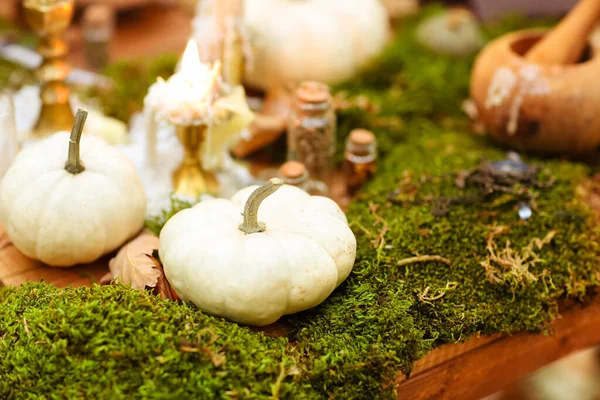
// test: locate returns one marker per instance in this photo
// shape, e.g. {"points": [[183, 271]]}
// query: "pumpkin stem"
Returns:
{"points": [[251, 224], [73, 164]]}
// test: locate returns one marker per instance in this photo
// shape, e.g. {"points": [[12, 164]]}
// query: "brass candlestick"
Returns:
{"points": [[190, 179], [49, 19]]}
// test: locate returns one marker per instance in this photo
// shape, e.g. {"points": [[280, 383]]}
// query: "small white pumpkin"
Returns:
{"points": [[71, 213], [297, 40], [454, 32], [233, 266]]}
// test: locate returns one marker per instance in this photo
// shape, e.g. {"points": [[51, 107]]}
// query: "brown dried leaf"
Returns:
{"points": [[106, 278], [162, 288], [4, 241], [134, 264]]}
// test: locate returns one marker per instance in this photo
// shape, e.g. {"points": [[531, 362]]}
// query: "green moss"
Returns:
{"points": [[90, 342], [132, 80], [114, 342], [155, 223], [13, 76]]}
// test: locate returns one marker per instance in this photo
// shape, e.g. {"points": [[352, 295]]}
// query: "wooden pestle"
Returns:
{"points": [[566, 42]]}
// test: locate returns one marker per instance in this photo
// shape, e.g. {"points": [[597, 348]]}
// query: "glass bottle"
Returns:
{"points": [[360, 159], [294, 173], [311, 134], [98, 27]]}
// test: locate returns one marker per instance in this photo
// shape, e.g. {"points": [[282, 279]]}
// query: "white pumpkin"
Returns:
{"points": [[71, 213], [454, 32], [221, 258], [296, 40]]}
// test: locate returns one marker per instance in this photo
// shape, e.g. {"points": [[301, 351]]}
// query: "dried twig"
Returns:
{"points": [[26, 328], [418, 259], [357, 223], [428, 299], [380, 239], [277, 384], [510, 266], [217, 358]]}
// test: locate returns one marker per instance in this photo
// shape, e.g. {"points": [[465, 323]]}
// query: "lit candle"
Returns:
{"points": [[208, 117], [191, 95], [188, 97]]}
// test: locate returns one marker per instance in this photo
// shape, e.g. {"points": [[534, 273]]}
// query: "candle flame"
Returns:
{"points": [[190, 61], [190, 93]]}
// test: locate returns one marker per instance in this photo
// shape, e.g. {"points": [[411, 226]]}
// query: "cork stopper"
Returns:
{"points": [[98, 16], [362, 137], [313, 92], [292, 170]]}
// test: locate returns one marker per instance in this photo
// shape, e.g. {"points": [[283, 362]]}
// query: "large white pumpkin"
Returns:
{"points": [[63, 217], [221, 258], [296, 40]]}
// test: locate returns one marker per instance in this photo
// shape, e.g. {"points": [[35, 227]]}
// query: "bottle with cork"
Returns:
{"points": [[294, 173], [98, 28], [311, 134], [360, 159]]}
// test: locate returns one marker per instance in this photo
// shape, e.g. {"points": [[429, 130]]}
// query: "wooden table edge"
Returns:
{"points": [[484, 365]]}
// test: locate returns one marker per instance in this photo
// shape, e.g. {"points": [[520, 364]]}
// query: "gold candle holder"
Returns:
{"points": [[49, 19], [190, 179]]}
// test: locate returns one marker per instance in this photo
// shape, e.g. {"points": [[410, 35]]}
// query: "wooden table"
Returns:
{"points": [[15, 268], [471, 370], [140, 33]]}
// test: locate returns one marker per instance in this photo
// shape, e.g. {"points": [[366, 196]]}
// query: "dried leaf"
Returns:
{"points": [[162, 288], [134, 264], [4, 240], [106, 278]]}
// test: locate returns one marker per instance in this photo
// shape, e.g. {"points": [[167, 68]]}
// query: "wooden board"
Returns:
{"points": [[142, 33], [482, 366], [15, 268], [468, 371]]}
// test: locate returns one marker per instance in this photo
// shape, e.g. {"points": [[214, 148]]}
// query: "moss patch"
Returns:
{"points": [[100, 340], [13, 76], [132, 80], [113, 342]]}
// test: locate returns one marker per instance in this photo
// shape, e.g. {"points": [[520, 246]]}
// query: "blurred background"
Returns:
{"points": [[151, 27], [147, 28]]}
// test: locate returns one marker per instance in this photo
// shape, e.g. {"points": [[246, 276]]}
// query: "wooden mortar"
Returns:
{"points": [[545, 108], [532, 93]]}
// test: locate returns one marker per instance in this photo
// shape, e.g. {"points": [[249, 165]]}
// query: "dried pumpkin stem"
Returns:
{"points": [[251, 224], [74, 164]]}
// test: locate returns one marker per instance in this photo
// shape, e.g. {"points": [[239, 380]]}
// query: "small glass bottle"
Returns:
{"points": [[294, 173], [360, 159], [311, 134], [98, 28]]}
